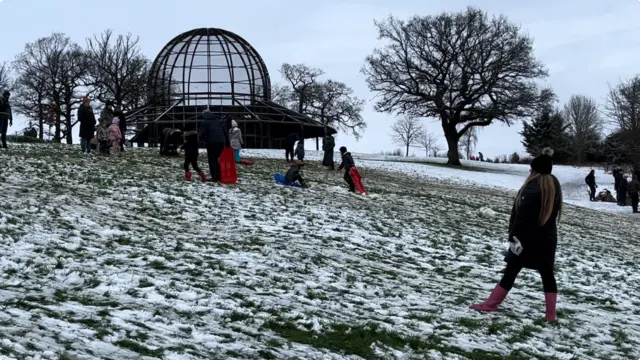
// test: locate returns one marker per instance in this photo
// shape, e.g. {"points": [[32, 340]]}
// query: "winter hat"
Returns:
{"points": [[234, 123], [543, 163], [115, 120], [6, 94], [343, 149]]}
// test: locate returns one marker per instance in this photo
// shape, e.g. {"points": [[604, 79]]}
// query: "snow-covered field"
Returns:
{"points": [[119, 259]]}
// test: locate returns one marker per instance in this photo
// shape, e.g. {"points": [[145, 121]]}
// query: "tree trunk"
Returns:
{"points": [[453, 155], [407, 152], [317, 144], [57, 134], [69, 127]]}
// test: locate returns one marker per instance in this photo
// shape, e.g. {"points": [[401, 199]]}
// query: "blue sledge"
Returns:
{"points": [[279, 179]]}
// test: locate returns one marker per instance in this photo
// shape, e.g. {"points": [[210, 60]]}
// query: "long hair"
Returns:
{"points": [[547, 185]]}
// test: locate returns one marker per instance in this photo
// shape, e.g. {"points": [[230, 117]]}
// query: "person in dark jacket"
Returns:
{"points": [[617, 176], [300, 150], [117, 112], [328, 147], [215, 134], [170, 141], [191, 152], [590, 180], [294, 174], [634, 192], [6, 116], [87, 124], [347, 164], [623, 188], [533, 234], [289, 144]]}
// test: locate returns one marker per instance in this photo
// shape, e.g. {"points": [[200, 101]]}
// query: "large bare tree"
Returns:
{"points": [[334, 105], [623, 110], [119, 70], [465, 68], [584, 125], [427, 141], [302, 80], [406, 132], [6, 82], [30, 98]]}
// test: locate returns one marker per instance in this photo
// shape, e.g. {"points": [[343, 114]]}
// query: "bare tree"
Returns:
{"points": [[623, 105], [119, 70], [302, 81], [333, 104], [468, 141], [281, 95], [406, 131], [584, 125], [6, 82], [435, 150], [426, 140], [465, 68], [30, 98], [59, 65]]}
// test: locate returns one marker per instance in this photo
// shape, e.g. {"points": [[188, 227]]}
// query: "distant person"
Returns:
{"points": [[106, 115], [170, 141], [481, 156], [347, 164], [6, 117], [289, 144], [103, 139], [617, 177], [123, 124], [300, 150], [214, 133], [294, 174], [235, 140], [328, 146], [191, 152], [115, 136], [87, 124], [590, 180], [533, 235], [634, 192], [623, 188]]}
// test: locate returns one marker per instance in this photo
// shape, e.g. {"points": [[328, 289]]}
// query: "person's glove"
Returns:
{"points": [[516, 246]]}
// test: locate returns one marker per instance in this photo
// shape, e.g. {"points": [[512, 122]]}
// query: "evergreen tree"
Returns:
{"points": [[547, 129]]}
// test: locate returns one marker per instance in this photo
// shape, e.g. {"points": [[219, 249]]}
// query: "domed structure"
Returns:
{"points": [[218, 69]]}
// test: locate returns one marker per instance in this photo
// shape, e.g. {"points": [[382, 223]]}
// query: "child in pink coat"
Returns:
{"points": [[115, 136]]}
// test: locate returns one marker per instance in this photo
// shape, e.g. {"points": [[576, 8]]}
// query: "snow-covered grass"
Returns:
{"points": [[118, 258]]}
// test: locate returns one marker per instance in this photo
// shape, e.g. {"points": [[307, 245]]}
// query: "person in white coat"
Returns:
{"points": [[235, 140]]}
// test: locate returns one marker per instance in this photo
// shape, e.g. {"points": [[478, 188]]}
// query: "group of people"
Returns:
{"points": [[624, 189], [108, 136]]}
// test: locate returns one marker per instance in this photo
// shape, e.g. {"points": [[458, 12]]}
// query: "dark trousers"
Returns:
{"points": [[191, 159], [213, 155], [513, 269], [288, 152], [349, 180], [592, 192], [634, 202], [104, 147], [622, 198], [4, 126]]}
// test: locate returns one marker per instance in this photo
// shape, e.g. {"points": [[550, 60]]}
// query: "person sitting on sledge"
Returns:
{"points": [[533, 235], [347, 164], [294, 174], [191, 151], [300, 150]]}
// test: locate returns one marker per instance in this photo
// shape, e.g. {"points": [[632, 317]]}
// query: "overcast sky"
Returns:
{"points": [[586, 44]]}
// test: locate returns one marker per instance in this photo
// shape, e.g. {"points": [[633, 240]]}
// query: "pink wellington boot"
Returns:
{"points": [[203, 177], [187, 176], [550, 302], [496, 298]]}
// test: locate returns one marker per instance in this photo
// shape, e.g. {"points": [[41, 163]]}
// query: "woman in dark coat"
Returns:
{"points": [[533, 235], [87, 124], [327, 146]]}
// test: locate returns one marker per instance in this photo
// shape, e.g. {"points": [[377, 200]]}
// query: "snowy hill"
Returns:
{"points": [[118, 258]]}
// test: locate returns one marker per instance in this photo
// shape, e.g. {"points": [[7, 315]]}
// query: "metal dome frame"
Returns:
{"points": [[216, 69]]}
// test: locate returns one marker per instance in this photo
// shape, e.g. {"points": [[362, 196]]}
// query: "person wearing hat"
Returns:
{"points": [[214, 134], [533, 235], [6, 116], [235, 140], [87, 124], [347, 164]]}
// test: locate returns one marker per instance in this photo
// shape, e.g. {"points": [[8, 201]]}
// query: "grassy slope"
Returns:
{"points": [[113, 258]]}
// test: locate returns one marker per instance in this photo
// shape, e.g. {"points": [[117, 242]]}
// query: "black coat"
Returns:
{"points": [[327, 147], [538, 242], [290, 140], [213, 130], [87, 122], [347, 162], [590, 179]]}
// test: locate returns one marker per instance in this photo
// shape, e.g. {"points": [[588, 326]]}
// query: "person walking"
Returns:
{"points": [[215, 135], [590, 180], [533, 236], [6, 117], [634, 192], [87, 124]]}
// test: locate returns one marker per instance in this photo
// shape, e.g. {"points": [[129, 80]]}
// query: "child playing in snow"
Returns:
{"points": [[347, 164], [191, 151], [103, 138], [294, 174], [300, 150], [235, 140], [115, 136]]}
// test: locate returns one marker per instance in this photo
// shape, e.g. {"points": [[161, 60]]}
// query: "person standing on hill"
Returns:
{"points": [[300, 150], [235, 140], [6, 117], [533, 235], [117, 112], [328, 146], [347, 164], [191, 152], [289, 144], [87, 124], [623, 188], [214, 133], [591, 183], [634, 192], [617, 176]]}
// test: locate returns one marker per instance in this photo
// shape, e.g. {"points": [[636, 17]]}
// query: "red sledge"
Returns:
{"points": [[228, 170], [246, 162], [357, 180]]}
